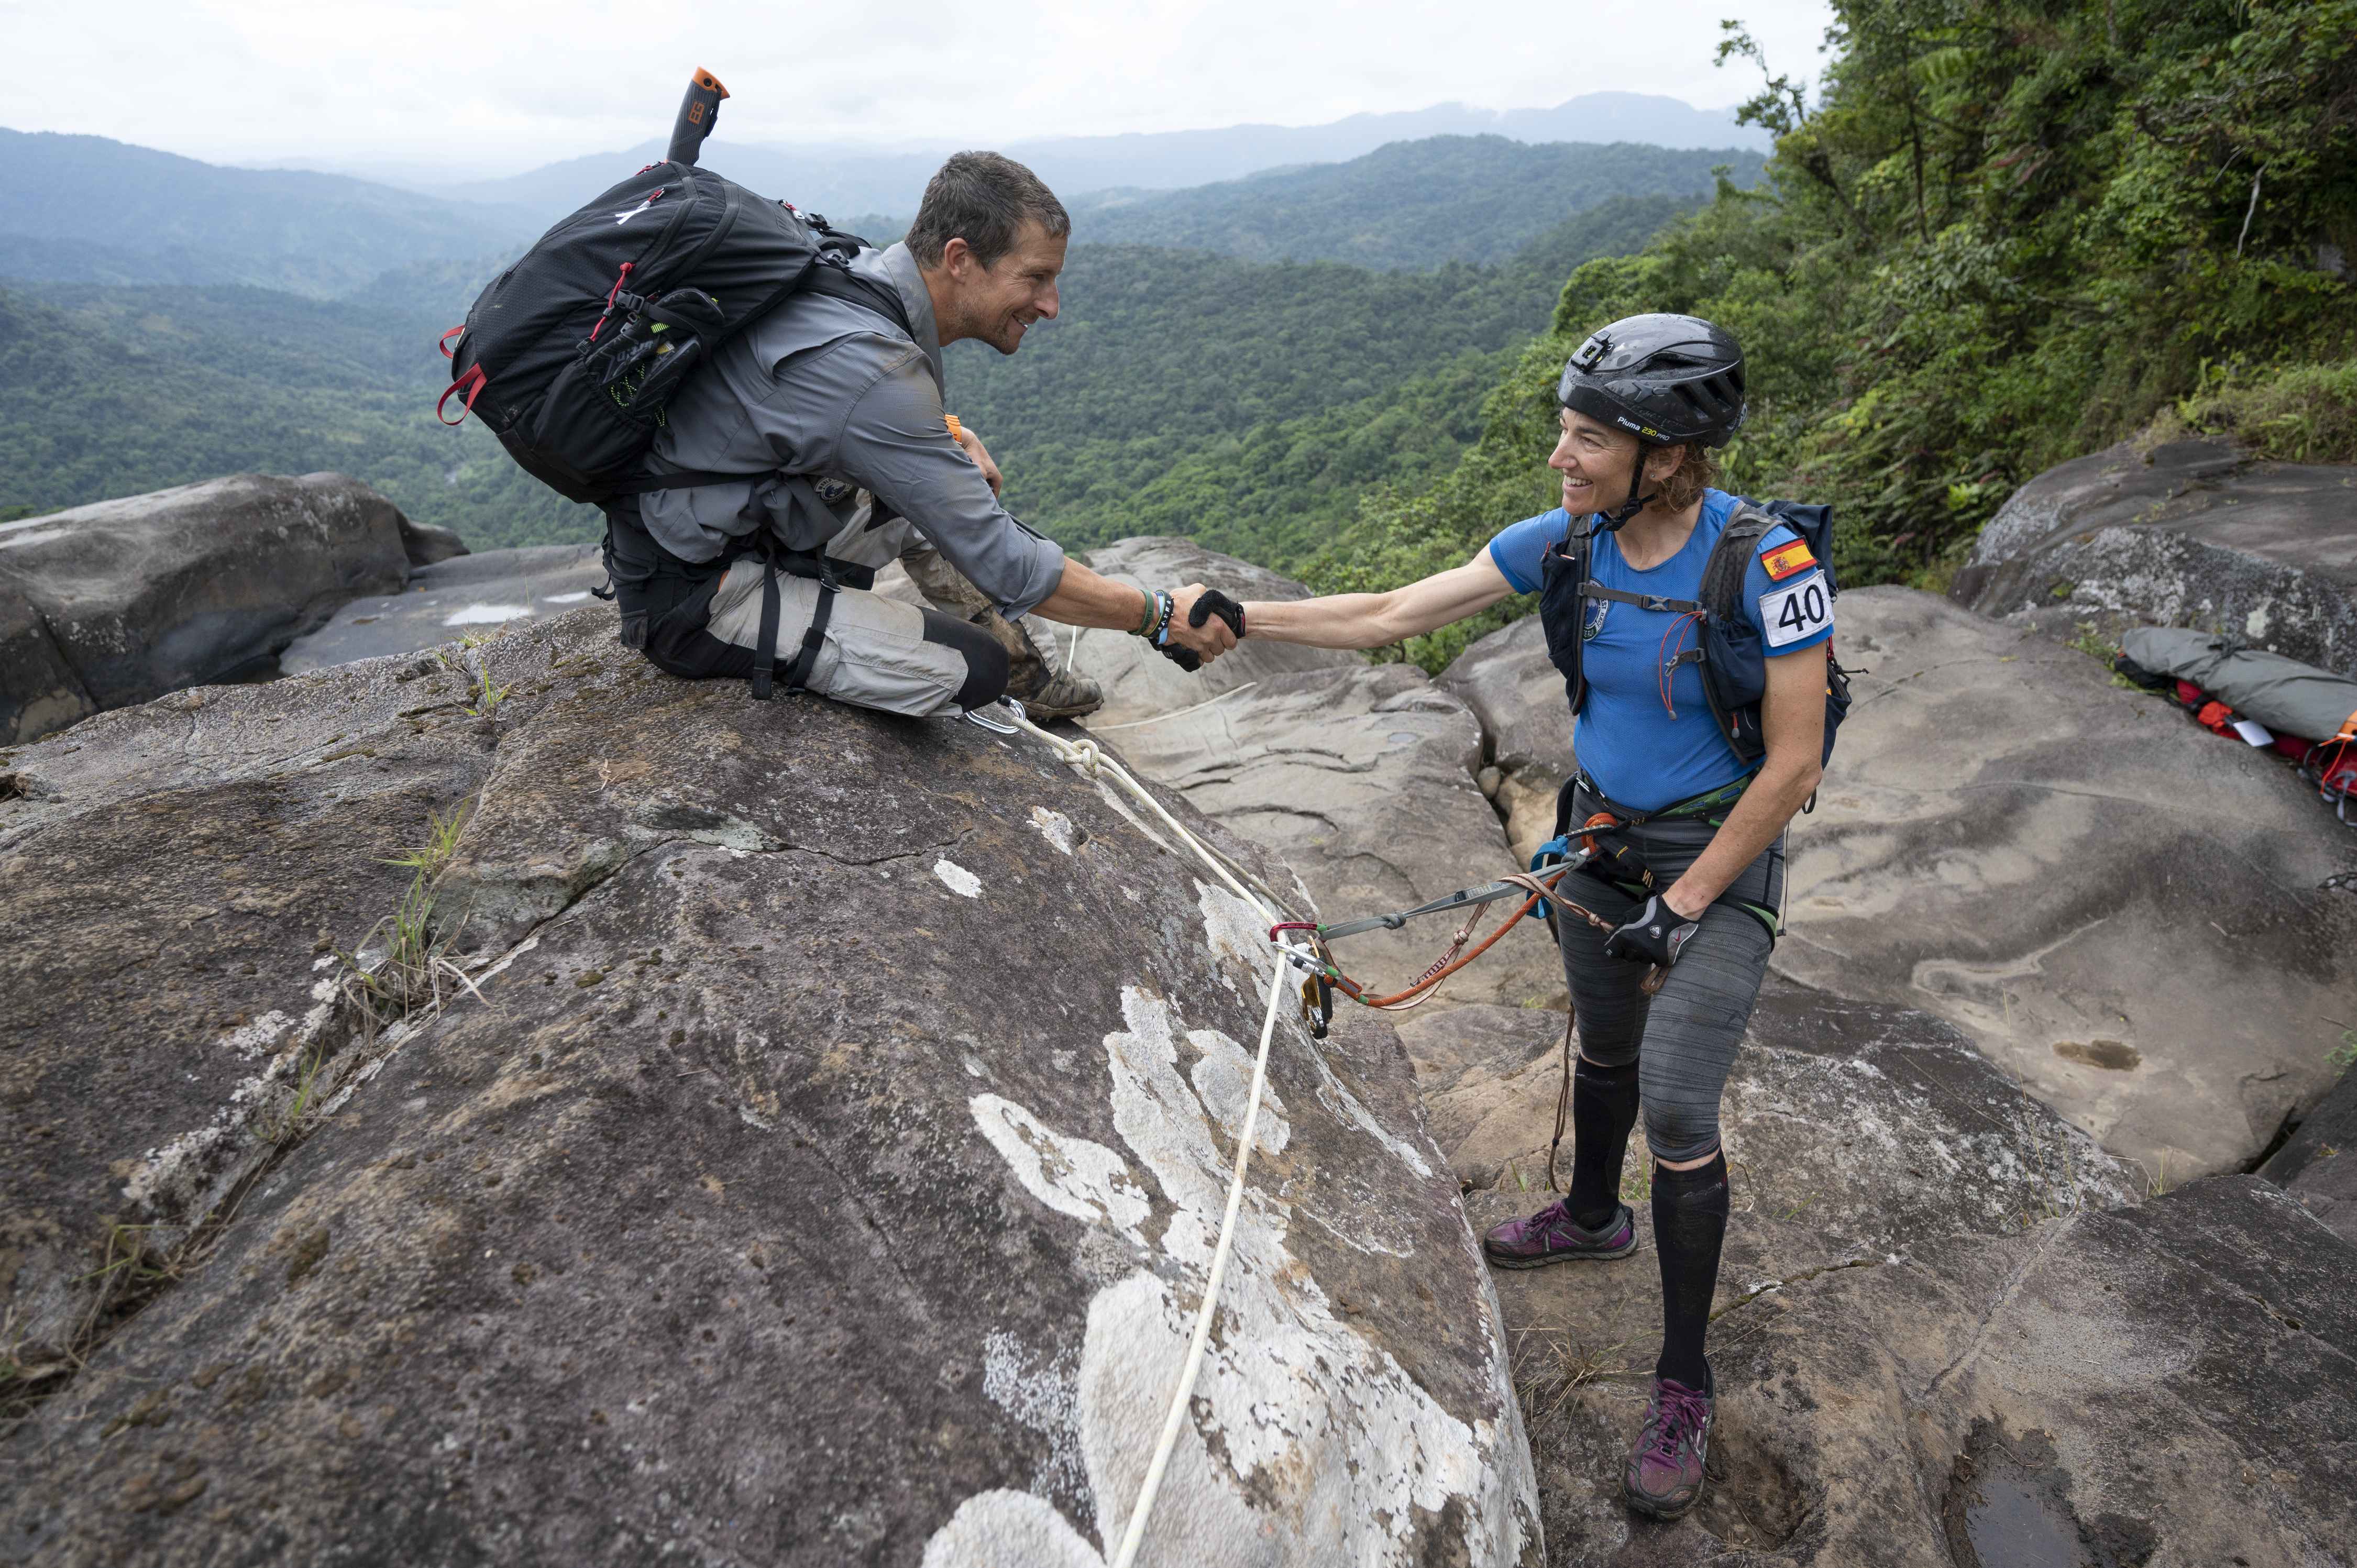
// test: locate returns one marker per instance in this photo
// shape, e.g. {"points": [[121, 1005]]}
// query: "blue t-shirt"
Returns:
{"points": [[1640, 751]]}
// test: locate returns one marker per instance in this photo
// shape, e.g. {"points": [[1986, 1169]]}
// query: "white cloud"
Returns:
{"points": [[498, 86]]}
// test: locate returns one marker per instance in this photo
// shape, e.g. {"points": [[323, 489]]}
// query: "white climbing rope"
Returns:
{"points": [[1084, 757]]}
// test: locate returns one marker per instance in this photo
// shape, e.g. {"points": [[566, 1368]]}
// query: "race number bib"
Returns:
{"points": [[1796, 610]]}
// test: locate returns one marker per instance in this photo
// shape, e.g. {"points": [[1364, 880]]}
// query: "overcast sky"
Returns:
{"points": [[499, 86]]}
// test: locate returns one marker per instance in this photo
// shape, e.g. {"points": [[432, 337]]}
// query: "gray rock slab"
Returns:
{"points": [[1507, 681], [830, 1173], [39, 689], [2118, 908], [178, 877], [2191, 533], [201, 584], [2317, 1164], [1363, 778], [1882, 1124], [471, 594], [2173, 1377], [1140, 684]]}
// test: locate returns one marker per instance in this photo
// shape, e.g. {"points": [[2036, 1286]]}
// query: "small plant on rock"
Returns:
{"points": [[400, 966]]}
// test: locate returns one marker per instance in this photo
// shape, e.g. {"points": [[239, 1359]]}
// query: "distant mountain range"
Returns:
{"points": [[86, 209], [836, 179], [136, 215], [1408, 206]]}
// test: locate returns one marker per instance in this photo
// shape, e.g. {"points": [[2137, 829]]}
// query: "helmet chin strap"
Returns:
{"points": [[1635, 503]]}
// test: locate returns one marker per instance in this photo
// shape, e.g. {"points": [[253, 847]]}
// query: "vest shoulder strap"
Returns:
{"points": [[1730, 559]]}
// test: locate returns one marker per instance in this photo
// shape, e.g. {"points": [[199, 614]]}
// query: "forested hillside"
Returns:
{"points": [[1161, 357], [2010, 232], [114, 392], [1468, 198], [1106, 419]]}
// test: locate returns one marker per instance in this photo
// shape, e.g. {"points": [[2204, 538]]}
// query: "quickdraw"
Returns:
{"points": [[1324, 976]]}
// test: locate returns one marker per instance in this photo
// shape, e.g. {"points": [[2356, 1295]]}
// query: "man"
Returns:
{"points": [[837, 395]]}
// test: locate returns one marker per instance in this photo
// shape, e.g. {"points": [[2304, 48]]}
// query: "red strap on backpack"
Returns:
{"points": [[474, 381]]}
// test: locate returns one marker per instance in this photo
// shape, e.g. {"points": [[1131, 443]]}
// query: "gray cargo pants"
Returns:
{"points": [[1684, 1037], [875, 653]]}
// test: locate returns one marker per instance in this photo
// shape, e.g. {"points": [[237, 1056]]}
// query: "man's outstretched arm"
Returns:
{"points": [[1083, 597]]}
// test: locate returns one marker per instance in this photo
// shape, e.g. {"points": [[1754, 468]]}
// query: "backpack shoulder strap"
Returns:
{"points": [[842, 283], [1730, 559]]}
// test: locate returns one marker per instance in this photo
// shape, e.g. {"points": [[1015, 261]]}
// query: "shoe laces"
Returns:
{"points": [[1683, 1411]]}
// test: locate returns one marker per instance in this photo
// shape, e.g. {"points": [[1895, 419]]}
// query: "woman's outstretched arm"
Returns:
{"points": [[1371, 621]]}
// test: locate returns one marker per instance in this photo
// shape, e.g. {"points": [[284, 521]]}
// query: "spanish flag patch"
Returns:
{"points": [[1787, 559]]}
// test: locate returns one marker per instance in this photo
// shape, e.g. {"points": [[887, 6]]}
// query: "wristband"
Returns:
{"points": [[1145, 628], [1162, 621]]}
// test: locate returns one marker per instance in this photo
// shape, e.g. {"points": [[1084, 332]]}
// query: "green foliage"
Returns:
{"points": [[1409, 205], [116, 391], [1278, 493], [1103, 423], [1245, 404], [2010, 232], [2300, 414]]}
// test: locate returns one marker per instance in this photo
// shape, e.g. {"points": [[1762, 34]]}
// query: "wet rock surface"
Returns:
{"points": [[1138, 681], [1363, 779], [116, 602], [2191, 533], [471, 594], [2166, 1383], [844, 1115]]}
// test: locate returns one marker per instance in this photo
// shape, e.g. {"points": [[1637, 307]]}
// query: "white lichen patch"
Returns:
{"points": [[1309, 1444], [1054, 826], [958, 879], [1071, 1176]]}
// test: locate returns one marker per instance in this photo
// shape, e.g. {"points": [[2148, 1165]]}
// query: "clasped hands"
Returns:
{"points": [[1204, 624]]}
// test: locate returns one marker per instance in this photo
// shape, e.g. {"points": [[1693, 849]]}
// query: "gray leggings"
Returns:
{"points": [[1687, 1035]]}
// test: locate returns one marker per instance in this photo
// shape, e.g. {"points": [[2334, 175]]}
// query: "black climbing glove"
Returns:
{"points": [[1209, 603], [1212, 602], [1656, 934]]}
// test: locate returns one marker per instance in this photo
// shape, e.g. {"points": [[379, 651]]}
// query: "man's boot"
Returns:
{"points": [[1044, 693]]}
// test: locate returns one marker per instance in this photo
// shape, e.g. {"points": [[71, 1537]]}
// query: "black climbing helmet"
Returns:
{"points": [[1667, 380]]}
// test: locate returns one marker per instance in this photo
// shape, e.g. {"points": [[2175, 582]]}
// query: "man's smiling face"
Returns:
{"points": [[999, 303]]}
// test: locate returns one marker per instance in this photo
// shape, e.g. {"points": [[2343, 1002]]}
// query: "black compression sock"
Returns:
{"points": [[1603, 1109], [1689, 1227]]}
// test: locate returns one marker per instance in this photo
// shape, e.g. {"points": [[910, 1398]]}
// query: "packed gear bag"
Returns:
{"points": [[1734, 665], [2288, 697], [574, 354]]}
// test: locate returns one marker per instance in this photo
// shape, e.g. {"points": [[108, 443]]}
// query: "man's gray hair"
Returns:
{"points": [[983, 199]]}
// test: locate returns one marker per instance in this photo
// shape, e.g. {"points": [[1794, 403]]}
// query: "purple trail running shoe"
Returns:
{"points": [[1552, 1236], [1665, 1478]]}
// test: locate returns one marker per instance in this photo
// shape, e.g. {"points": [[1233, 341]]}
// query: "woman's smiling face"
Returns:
{"points": [[1595, 461]]}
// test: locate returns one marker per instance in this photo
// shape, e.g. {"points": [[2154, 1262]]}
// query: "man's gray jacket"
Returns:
{"points": [[834, 392]]}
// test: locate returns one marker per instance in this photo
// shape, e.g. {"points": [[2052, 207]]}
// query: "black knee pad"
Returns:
{"points": [[985, 660]]}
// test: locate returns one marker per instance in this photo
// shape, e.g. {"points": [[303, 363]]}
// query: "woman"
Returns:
{"points": [[1697, 824]]}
